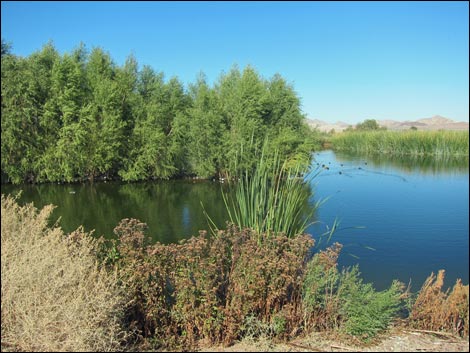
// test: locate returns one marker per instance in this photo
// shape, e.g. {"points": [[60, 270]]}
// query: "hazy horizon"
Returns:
{"points": [[391, 119]]}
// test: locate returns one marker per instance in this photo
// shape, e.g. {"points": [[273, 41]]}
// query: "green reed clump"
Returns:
{"points": [[436, 143], [271, 198]]}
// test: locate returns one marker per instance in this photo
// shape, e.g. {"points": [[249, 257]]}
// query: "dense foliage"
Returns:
{"points": [[80, 116], [368, 124]]}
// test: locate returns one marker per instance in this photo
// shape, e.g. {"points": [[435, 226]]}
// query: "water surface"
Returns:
{"points": [[403, 218], [399, 218]]}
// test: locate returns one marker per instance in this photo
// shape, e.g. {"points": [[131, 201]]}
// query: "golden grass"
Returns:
{"points": [[437, 310], [54, 295]]}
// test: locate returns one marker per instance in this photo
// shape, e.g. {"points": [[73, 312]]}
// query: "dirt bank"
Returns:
{"points": [[396, 340]]}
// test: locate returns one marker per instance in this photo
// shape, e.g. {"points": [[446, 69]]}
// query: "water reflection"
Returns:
{"points": [[173, 210], [430, 165]]}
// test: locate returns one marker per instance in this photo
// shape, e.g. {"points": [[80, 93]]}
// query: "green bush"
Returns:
{"points": [[365, 311], [320, 299], [333, 299]]}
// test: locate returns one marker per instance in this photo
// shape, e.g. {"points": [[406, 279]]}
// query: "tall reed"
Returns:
{"points": [[272, 198], [437, 143]]}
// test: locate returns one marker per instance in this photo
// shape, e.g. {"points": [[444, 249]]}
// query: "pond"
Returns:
{"points": [[398, 218], [403, 217]]}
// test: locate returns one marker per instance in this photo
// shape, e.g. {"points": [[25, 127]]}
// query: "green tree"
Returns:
{"points": [[66, 161], [243, 100], [158, 147], [206, 128], [26, 131], [368, 124], [80, 116]]}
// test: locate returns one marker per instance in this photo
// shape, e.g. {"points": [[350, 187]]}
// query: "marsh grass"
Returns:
{"points": [[55, 297], [272, 198], [435, 143]]}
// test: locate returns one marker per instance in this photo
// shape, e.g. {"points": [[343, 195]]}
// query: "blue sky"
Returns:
{"points": [[348, 61]]}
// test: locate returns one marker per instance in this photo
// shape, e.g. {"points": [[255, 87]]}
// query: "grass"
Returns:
{"points": [[54, 296], [272, 198], [435, 143]]}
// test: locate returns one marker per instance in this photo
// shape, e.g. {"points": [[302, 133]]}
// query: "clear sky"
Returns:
{"points": [[348, 61]]}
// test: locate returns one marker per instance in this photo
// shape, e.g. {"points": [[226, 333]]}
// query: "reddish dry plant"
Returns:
{"points": [[205, 288], [438, 310]]}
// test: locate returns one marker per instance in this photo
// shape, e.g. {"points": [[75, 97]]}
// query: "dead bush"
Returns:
{"points": [[438, 310], [54, 295], [206, 287]]}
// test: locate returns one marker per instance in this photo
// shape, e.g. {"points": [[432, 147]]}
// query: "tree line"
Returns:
{"points": [[80, 116]]}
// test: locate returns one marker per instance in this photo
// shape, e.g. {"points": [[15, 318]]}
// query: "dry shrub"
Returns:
{"points": [[54, 295], [265, 282], [205, 288], [438, 310]]}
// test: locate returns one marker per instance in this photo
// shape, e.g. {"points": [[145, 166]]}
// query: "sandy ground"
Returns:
{"points": [[397, 340]]}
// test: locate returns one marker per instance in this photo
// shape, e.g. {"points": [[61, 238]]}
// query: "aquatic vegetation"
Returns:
{"points": [[435, 143], [272, 198]]}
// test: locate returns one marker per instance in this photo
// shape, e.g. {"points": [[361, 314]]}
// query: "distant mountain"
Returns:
{"points": [[325, 126], [436, 122]]}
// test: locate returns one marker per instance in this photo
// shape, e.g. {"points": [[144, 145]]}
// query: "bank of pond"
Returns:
{"points": [[70, 291], [165, 285]]}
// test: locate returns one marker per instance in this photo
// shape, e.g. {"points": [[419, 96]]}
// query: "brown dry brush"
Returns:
{"points": [[441, 311], [55, 296], [205, 288], [265, 282]]}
